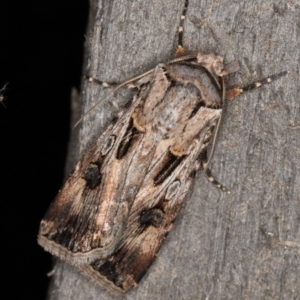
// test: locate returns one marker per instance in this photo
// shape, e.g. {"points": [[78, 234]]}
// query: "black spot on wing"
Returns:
{"points": [[152, 217], [91, 175]]}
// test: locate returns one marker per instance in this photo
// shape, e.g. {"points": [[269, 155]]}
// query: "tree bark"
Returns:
{"points": [[240, 246]]}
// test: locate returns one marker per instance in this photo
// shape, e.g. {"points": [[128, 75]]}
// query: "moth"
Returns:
{"points": [[113, 213]]}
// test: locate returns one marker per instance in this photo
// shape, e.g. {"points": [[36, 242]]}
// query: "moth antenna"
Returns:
{"points": [[217, 129], [180, 49], [182, 58], [212, 180], [111, 92]]}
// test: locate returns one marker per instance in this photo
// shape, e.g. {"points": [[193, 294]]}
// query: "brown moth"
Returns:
{"points": [[90, 213], [116, 209], [113, 213]]}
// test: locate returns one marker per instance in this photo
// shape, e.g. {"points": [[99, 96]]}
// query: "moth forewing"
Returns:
{"points": [[88, 216]]}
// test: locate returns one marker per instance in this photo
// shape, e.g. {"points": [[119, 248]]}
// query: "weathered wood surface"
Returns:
{"points": [[242, 246]]}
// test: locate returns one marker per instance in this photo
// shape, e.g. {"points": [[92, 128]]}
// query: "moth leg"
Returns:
{"points": [[102, 83], [114, 85], [109, 84], [134, 82], [180, 49], [204, 160], [235, 92], [215, 182]]}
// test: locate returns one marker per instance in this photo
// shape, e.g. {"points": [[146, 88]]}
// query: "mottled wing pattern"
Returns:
{"points": [[90, 212]]}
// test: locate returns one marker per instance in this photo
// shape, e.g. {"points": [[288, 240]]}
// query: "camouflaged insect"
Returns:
{"points": [[114, 212]]}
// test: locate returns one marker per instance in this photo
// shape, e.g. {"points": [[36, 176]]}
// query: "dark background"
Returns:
{"points": [[41, 57]]}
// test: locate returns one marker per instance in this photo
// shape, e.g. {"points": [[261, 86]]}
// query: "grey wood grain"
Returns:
{"points": [[245, 245]]}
